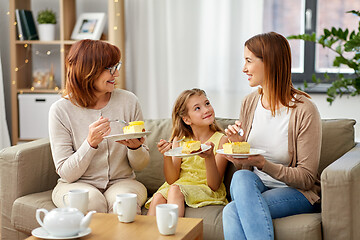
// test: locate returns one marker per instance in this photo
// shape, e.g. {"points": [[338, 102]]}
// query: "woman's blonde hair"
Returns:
{"points": [[179, 127], [86, 60], [274, 50]]}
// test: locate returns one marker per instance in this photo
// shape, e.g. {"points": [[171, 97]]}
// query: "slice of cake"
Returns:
{"points": [[236, 147], [134, 127], [191, 147]]}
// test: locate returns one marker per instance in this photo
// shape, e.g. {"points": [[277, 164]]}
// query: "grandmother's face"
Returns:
{"points": [[106, 82]]}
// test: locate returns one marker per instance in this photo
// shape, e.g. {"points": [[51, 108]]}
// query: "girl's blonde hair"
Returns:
{"points": [[274, 50], [179, 127]]}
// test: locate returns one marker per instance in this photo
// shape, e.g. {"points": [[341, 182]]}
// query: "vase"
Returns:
{"points": [[47, 32]]}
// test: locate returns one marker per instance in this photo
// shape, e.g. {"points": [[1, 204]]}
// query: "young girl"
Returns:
{"points": [[196, 180]]}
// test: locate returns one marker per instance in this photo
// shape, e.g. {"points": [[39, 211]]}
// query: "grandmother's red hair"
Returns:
{"points": [[86, 60]]}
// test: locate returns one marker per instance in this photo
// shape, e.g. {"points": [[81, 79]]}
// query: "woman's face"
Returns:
{"points": [[254, 68], [106, 82]]}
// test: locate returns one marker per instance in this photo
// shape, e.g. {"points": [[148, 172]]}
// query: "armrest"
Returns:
{"points": [[24, 169], [340, 187]]}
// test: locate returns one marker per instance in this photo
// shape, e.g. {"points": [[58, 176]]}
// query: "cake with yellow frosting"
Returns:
{"points": [[134, 127], [236, 148], [191, 147]]}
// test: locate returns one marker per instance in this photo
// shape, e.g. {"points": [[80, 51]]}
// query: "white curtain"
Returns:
{"points": [[173, 45], [4, 132]]}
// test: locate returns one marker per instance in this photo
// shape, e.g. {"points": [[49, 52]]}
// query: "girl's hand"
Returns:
{"points": [[175, 142], [97, 131], [255, 161], [208, 153], [163, 146], [134, 143], [232, 132]]}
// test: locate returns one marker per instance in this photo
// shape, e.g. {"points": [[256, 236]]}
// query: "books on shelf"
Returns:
{"points": [[26, 25]]}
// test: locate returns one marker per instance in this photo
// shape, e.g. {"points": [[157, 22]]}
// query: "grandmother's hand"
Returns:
{"points": [[97, 131], [134, 143]]}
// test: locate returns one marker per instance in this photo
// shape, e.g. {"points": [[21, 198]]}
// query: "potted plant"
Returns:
{"points": [[340, 41], [47, 21]]}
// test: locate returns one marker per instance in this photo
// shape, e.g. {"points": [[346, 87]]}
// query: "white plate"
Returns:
{"points": [[42, 233], [176, 152], [123, 136], [253, 152]]}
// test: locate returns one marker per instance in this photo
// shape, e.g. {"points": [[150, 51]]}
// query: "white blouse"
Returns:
{"points": [[270, 133]]}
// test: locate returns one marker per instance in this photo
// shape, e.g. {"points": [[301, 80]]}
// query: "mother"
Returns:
{"points": [[285, 123]]}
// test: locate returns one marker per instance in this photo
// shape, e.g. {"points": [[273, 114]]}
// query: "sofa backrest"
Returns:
{"points": [[338, 138]]}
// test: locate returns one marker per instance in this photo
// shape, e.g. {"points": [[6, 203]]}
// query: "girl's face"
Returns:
{"points": [[254, 68], [106, 82], [200, 112]]}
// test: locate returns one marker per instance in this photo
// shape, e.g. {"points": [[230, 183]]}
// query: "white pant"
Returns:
{"points": [[98, 201]]}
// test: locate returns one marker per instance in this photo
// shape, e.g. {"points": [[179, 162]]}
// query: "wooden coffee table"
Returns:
{"points": [[107, 226]]}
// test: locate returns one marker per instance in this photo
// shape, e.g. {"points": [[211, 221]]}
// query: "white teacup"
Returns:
{"points": [[77, 198], [167, 218], [125, 207]]}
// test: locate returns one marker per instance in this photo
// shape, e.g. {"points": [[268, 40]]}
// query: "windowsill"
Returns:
{"points": [[316, 88]]}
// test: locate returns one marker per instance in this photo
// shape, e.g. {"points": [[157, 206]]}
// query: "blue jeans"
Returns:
{"points": [[249, 215]]}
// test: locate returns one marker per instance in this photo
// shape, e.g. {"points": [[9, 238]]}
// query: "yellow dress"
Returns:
{"points": [[193, 182]]}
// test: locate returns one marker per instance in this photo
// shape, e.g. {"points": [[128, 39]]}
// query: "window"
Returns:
{"points": [[289, 17]]}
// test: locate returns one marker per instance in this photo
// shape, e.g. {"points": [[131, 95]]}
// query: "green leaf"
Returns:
{"points": [[305, 84], [326, 33], [333, 31], [354, 12], [352, 44]]}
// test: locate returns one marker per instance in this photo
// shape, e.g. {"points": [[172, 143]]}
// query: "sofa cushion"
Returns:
{"points": [[212, 220], [337, 139], [302, 226], [26, 206]]}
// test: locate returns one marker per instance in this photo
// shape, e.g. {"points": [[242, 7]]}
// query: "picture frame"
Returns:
{"points": [[89, 26]]}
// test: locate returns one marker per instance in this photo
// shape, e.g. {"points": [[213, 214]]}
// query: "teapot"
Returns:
{"points": [[64, 222]]}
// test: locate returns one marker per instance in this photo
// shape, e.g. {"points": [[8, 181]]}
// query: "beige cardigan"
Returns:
{"points": [[75, 160], [304, 145]]}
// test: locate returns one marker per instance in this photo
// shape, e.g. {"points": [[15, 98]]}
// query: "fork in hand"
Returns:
{"points": [[119, 121]]}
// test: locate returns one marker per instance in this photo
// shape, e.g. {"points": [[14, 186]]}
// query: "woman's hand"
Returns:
{"points": [[232, 132], [134, 143], [97, 131], [255, 161]]}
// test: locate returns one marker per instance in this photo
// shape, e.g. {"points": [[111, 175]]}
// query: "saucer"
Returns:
{"points": [[40, 232]]}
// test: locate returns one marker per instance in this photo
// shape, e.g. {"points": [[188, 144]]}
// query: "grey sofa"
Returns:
{"points": [[28, 177]]}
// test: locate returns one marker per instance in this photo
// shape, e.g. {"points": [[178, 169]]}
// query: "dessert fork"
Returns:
{"points": [[119, 121]]}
